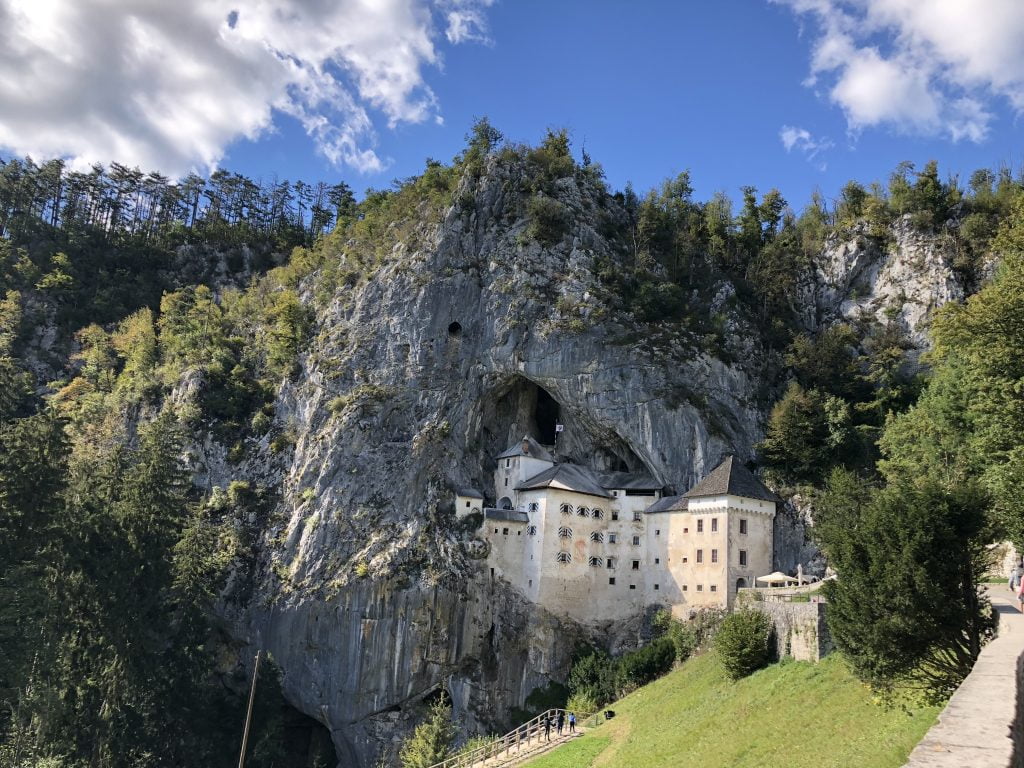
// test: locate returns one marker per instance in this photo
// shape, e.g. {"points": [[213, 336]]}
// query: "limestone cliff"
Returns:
{"points": [[469, 334]]}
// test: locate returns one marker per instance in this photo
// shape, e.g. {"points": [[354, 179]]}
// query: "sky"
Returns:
{"points": [[793, 94]]}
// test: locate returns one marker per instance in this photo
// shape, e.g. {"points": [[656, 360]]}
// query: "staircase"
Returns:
{"points": [[521, 744]]}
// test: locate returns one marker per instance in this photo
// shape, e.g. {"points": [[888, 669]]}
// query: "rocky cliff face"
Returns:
{"points": [[368, 594]]}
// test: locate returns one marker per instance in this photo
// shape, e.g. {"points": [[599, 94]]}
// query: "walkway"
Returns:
{"points": [[522, 744], [974, 728]]}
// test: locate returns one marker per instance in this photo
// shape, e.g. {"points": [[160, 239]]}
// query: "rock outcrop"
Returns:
{"points": [[470, 333]]}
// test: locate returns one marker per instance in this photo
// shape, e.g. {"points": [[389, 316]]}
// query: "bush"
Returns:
{"points": [[684, 637], [743, 643], [594, 674], [549, 220], [645, 664]]}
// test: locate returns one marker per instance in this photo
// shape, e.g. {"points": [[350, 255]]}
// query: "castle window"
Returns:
{"points": [[467, 503], [743, 557], [506, 482], [597, 536], [495, 530], [615, 515], [632, 586], [684, 587], [597, 513], [563, 557], [656, 587], [595, 562], [714, 555], [658, 532], [531, 530], [611, 580], [636, 565], [565, 509], [686, 530], [700, 526], [714, 587], [504, 531], [534, 506], [612, 538], [743, 526], [610, 562], [636, 541], [714, 525], [583, 512], [686, 559], [700, 587], [657, 560], [564, 532], [508, 463], [636, 516], [700, 555]]}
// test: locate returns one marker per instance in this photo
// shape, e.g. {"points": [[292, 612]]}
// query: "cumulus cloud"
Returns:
{"points": [[926, 67], [169, 85], [803, 141]]}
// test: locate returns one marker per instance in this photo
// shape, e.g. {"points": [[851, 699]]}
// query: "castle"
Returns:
{"points": [[598, 546]]}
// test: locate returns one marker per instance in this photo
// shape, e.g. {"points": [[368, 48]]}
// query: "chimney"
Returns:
{"points": [[526, 447]]}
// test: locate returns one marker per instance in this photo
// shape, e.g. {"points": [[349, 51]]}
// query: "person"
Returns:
{"points": [[547, 728], [560, 722], [1016, 576], [572, 722], [1020, 595]]}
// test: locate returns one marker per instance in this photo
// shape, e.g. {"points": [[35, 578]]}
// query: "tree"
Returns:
{"points": [[743, 643], [795, 448], [432, 740], [910, 556]]}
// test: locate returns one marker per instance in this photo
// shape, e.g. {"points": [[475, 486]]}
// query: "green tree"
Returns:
{"points": [[432, 740], [795, 448], [743, 643]]}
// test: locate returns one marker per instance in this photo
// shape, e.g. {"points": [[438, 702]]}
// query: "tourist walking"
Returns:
{"points": [[1016, 576], [560, 722], [547, 728], [572, 722], [1020, 596]]}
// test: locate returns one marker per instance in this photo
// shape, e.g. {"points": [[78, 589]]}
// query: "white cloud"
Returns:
{"points": [[804, 142], [169, 85], [927, 67]]}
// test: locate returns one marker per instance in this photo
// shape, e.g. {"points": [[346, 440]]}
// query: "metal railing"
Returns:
{"points": [[513, 742]]}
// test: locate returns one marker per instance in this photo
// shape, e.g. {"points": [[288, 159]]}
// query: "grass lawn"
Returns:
{"points": [[790, 715]]}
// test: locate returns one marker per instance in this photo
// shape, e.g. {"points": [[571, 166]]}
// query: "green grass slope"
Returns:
{"points": [[790, 715]]}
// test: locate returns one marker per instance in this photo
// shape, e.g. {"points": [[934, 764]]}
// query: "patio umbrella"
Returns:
{"points": [[776, 578]]}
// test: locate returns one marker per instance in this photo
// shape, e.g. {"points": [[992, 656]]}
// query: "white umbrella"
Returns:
{"points": [[776, 578]]}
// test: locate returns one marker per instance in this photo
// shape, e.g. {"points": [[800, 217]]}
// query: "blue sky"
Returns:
{"points": [[793, 94]]}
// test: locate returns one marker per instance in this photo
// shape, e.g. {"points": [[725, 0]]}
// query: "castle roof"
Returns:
{"points": [[629, 481], [568, 477], [667, 504], [533, 449], [730, 477], [471, 493], [507, 515]]}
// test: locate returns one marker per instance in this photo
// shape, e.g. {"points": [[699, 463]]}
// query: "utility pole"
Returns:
{"points": [[248, 715]]}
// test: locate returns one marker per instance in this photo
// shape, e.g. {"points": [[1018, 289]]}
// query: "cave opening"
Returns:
{"points": [[455, 329], [545, 417]]}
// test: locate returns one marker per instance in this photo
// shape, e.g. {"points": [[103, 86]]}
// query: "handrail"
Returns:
{"points": [[514, 738]]}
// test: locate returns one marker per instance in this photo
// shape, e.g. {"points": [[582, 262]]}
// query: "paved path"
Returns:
{"points": [[974, 728]]}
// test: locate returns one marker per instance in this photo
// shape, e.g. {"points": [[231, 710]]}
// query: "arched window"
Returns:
{"points": [[563, 557], [534, 506], [595, 562], [531, 530], [583, 512], [741, 583], [564, 532], [597, 513], [504, 503], [565, 509], [597, 536]]}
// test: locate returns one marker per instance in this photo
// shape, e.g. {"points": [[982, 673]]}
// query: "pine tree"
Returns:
{"points": [[432, 740]]}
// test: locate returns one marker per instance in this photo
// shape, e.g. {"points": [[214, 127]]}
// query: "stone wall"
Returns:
{"points": [[800, 629]]}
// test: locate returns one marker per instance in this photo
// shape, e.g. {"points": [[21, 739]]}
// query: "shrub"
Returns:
{"points": [[582, 704], [641, 666], [549, 220], [431, 741], [743, 643], [594, 674]]}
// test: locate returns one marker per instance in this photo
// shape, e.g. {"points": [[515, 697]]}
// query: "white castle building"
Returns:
{"points": [[596, 546]]}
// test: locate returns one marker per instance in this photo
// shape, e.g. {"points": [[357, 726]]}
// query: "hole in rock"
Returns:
{"points": [[455, 329], [545, 417]]}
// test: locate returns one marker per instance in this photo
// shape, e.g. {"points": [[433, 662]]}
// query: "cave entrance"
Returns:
{"points": [[545, 416]]}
